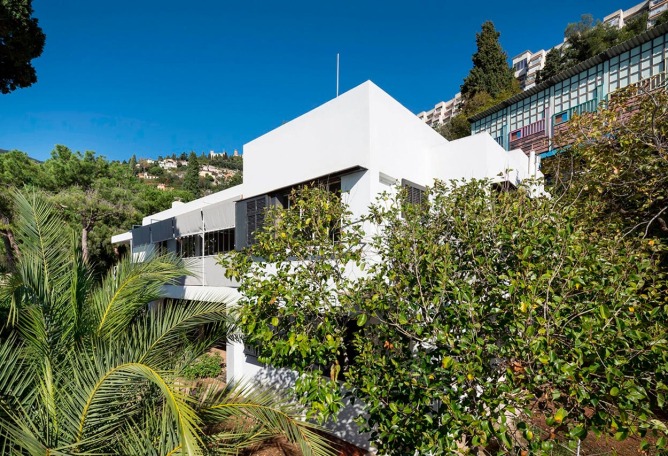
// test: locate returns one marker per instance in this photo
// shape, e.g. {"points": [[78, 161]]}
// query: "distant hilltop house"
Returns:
{"points": [[355, 145], [211, 169], [216, 173], [146, 175], [531, 119], [168, 164], [213, 154]]}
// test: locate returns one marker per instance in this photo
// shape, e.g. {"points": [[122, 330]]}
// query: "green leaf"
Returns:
{"points": [[578, 432], [560, 415], [604, 311], [361, 319]]}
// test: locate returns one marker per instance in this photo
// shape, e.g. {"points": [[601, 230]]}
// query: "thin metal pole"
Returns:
{"points": [[337, 74]]}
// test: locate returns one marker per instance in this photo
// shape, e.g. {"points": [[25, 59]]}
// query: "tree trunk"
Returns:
{"points": [[11, 249], [84, 244]]}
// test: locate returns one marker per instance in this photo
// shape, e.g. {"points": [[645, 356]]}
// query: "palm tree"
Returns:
{"points": [[90, 368]]}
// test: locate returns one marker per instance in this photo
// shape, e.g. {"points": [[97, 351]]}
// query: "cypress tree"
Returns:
{"points": [[491, 72], [191, 179]]}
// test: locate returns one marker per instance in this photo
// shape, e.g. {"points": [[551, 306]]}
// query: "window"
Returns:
{"points": [[514, 135], [161, 247], [560, 118], [218, 241], [190, 246]]}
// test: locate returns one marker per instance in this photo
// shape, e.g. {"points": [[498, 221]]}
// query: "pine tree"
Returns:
{"points": [[555, 62], [491, 72], [191, 179]]}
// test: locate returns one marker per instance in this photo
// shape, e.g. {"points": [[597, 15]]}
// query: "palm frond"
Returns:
{"points": [[108, 392], [129, 288], [175, 327], [153, 436], [74, 316], [44, 243], [259, 414]]}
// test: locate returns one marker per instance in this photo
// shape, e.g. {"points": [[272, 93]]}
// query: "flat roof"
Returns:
{"points": [[572, 71]]}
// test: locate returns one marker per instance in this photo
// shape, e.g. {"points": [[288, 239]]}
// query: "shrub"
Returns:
{"points": [[203, 367]]}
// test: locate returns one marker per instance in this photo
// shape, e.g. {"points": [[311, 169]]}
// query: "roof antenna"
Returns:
{"points": [[337, 75]]}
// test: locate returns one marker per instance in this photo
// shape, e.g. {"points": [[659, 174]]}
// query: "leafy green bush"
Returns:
{"points": [[203, 367]]}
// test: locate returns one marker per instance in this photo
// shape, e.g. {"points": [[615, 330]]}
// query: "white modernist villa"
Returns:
{"points": [[362, 143]]}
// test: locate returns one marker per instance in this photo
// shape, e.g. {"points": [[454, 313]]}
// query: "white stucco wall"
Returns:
{"points": [[330, 138], [401, 144]]}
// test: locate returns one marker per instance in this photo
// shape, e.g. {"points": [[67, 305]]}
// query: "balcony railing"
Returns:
{"points": [[527, 130], [565, 116], [652, 83], [656, 11]]}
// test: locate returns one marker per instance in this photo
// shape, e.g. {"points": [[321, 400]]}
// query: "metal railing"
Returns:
{"points": [[531, 129], [587, 106]]}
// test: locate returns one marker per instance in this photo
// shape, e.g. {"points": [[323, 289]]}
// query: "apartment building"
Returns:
{"points": [[653, 8], [442, 112], [531, 119], [360, 144], [656, 8], [526, 67], [527, 64]]}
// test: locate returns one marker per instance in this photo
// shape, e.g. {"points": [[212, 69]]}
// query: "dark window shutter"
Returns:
{"points": [[414, 192], [255, 210], [240, 225]]}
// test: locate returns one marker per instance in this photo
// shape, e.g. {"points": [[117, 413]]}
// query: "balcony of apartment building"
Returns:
{"points": [[614, 21], [657, 8], [520, 63], [536, 64]]}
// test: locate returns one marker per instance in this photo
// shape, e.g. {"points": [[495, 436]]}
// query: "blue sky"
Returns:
{"points": [[156, 77]]}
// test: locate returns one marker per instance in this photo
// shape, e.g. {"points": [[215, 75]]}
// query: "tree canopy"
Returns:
{"points": [[490, 73], [478, 317], [97, 197], [490, 81], [21, 41], [617, 155], [585, 39]]}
